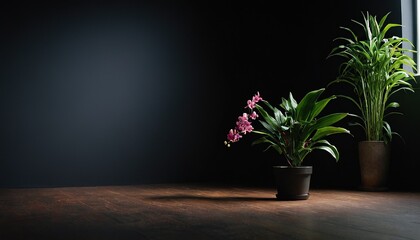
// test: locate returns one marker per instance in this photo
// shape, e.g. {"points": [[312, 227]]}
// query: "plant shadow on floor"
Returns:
{"points": [[213, 198]]}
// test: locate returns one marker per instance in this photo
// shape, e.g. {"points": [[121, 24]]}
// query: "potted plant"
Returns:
{"points": [[376, 67], [294, 130]]}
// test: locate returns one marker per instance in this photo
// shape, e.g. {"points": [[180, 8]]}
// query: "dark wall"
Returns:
{"points": [[127, 92], [101, 93]]}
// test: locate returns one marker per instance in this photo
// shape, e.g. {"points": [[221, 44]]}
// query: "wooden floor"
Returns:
{"points": [[181, 211]]}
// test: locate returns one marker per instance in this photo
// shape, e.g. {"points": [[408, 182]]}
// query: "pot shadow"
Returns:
{"points": [[215, 198]]}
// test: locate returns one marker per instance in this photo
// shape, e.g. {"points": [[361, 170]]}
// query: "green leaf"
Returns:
{"points": [[393, 105], [263, 140], [292, 101], [319, 106], [277, 148], [388, 131], [262, 133], [328, 120], [306, 105], [330, 149], [268, 119], [267, 104], [278, 115], [326, 131]]}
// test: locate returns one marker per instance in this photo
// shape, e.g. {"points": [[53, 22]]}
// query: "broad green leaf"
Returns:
{"points": [[267, 126], [319, 106], [328, 120], [262, 140], [331, 150], [306, 105], [278, 115], [326, 131], [268, 119]]}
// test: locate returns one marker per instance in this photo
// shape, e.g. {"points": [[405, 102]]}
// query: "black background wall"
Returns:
{"points": [[129, 92]]}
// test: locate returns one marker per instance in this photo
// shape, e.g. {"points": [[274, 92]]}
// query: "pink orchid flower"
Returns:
{"points": [[250, 104], [243, 124], [233, 135], [253, 115], [256, 98]]}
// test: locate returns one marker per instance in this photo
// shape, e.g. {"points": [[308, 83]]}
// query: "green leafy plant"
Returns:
{"points": [[293, 130], [376, 67]]}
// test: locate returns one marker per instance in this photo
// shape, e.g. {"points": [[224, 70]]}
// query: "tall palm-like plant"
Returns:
{"points": [[376, 66]]}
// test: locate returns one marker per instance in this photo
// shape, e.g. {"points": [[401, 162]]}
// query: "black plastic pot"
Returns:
{"points": [[292, 182]]}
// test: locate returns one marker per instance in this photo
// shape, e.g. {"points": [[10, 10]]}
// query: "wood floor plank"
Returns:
{"points": [[198, 211]]}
